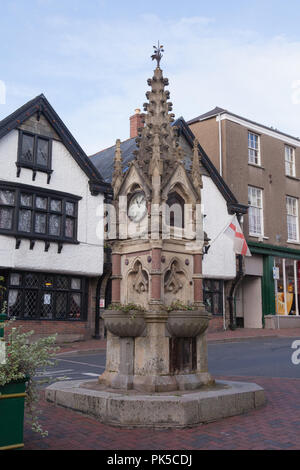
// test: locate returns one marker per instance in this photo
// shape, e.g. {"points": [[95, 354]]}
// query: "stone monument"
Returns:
{"points": [[156, 366]]}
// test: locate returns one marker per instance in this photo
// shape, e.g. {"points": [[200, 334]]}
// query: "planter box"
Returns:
{"points": [[12, 400]]}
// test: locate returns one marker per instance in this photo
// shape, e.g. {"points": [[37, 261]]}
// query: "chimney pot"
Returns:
{"points": [[136, 122]]}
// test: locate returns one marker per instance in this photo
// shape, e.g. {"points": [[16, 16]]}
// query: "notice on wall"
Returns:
{"points": [[102, 303], [276, 273], [2, 352], [47, 299]]}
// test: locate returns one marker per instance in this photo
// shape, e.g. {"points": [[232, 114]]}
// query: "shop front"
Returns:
{"points": [[280, 285]]}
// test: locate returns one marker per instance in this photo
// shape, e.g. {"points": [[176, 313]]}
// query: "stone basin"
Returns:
{"points": [[124, 324], [187, 323]]}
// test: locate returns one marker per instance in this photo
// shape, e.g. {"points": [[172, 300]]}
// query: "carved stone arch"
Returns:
{"points": [[175, 280], [138, 283]]}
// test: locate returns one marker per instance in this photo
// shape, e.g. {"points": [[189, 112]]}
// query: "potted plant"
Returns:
{"points": [[125, 320], [18, 389], [186, 321]]}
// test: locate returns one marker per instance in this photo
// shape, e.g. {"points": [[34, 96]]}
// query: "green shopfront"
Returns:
{"points": [[280, 284]]}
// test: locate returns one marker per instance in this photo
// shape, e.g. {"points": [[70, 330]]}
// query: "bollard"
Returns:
{"points": [[3, 318]]}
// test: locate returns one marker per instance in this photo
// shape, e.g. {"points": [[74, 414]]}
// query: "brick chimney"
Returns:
{"points": [[136, 121]]}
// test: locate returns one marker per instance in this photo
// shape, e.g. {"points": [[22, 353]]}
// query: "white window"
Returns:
{"points": [[292, 218], [256, 226], [253, 149], [290, 169]]}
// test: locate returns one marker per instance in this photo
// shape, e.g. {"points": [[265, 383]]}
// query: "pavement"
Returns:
{"points": [[273, 427], [276, 426]]}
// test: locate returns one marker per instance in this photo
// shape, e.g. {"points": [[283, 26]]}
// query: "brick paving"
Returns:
{"points": [[275, 426]]}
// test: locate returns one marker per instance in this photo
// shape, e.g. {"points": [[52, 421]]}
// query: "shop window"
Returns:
{"points": [[286, 278], [38, 296], [213, 296]]}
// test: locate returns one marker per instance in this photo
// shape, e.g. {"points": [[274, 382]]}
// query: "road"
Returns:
{"points": [[264, 357]]}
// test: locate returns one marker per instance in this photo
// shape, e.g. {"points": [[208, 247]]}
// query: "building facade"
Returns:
{"points": [[51, 233], [261, 165]]}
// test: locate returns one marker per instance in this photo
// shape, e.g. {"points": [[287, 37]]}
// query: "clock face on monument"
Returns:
{"points": [[137, 208]]}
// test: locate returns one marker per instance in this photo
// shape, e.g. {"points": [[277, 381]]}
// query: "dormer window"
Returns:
{"points": [[34, 152]]}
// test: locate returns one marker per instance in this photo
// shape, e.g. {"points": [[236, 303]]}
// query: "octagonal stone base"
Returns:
{"points": [[159, 410]]}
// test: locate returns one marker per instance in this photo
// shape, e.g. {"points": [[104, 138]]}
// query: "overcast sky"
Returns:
{"points": [[92, 59]]}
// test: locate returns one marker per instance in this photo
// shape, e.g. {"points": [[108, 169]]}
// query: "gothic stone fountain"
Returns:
{"points": [[156, 367]]}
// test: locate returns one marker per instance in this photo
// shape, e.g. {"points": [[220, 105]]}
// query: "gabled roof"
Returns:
{"points": [[216, 111], [104, 162], [41, 105]]}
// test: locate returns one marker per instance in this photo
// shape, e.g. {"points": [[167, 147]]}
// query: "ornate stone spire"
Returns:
{"points": [[196, 171], [118, 168], [157, 142]]}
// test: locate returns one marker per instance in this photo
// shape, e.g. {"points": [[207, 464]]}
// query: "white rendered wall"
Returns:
{"points": [[219, 263], [85, 258]]}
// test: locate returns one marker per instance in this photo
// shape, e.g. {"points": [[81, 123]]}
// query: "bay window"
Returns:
{"points": [[38, 213]]}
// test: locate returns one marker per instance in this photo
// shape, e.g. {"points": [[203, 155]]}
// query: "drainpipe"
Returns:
{"points": [[236, 282], [231, 298]]}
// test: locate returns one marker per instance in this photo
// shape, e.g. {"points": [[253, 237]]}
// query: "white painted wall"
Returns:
{"points": [[85, 258], [219, 263]]}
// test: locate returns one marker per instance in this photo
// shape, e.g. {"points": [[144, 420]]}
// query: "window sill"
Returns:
{"points": [[291, 242], [258, 236], [256, 166], [293, 178]]}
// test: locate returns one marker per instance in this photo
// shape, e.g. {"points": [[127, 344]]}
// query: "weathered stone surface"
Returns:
{"points": [[124, 324], [158, 410], [187, 323]]}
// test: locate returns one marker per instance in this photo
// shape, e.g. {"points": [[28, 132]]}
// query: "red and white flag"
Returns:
{"points": [[234, 231]]}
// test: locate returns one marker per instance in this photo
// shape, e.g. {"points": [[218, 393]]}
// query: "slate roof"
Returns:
{"points": [[104, 162], [216, 111], [42, 105]]}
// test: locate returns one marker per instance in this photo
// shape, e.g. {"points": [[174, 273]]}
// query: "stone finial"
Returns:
{"points": [[157, 53], [157, 140], [118, 167], [196, 170]]}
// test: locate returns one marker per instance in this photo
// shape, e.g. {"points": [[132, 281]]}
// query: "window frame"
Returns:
{"points": [[41, 290], [20, 189], [258, 150], [261, 209], [296, 217], [34, 164], [293, 163]]}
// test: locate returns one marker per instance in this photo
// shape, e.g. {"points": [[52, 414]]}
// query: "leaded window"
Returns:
{"points": [[34, 151], [40, 296], [213, 296], [36, 214]]}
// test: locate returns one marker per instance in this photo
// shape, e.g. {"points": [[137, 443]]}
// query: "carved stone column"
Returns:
{"points": [[116, 278]]}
